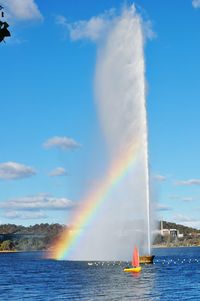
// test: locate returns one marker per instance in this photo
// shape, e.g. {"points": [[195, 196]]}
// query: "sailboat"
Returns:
{"points": [[136, 268]]}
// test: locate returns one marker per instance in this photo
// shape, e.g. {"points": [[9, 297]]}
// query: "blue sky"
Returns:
{"points": [[48, 118]]}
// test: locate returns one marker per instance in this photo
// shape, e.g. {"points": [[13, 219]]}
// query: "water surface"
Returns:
{"points": [[175, 275]]}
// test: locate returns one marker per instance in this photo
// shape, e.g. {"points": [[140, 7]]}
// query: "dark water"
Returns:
{"points": [[175, 275]]}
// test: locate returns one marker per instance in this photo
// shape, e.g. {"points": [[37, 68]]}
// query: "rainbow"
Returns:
{"points": [[85, 213]]}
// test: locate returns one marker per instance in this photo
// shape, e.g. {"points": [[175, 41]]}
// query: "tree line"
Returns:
{"points": [[41, 236], [24, 238]]}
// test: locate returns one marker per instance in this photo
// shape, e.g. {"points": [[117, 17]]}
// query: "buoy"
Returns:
{"points": [[136, 268], [133, 270]]}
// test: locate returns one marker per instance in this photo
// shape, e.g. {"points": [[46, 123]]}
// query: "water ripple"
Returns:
{"points": [[173, 276]]}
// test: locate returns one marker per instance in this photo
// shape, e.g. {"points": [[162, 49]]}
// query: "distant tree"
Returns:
{"points": [[7, 245]]}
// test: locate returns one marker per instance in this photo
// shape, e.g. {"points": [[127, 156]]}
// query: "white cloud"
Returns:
{"points": [[91, 29], [25, 215], [33, 207], [196, 3], [160, 178], [96, 27], [13, 170], [21, 9], [59, 171], [64, 143], [38, 202], [188, 182]]}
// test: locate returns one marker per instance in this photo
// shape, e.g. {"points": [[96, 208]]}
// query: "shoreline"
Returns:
{"points": [[21, 251], [153, 247], [8, 251], [171, 247]]}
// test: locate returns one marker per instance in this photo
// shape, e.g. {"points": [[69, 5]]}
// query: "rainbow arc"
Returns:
{"points": [[90, 206]]}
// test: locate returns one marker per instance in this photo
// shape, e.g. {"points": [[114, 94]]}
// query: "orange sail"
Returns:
{"points": [[135, 260]]}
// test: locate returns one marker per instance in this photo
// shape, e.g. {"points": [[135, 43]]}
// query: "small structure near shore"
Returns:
{"points": [[174, 233]]}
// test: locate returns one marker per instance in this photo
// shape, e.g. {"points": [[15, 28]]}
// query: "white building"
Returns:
{"points": [[170, 232]]}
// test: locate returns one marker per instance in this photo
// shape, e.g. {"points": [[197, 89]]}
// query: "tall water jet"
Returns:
{"points": [[122, 197], [120, 90]]}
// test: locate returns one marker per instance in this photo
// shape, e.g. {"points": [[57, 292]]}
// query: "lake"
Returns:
{"points": [[175, 275]]}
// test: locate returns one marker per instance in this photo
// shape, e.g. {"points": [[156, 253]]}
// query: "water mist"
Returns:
{"points": [[124, 218]]}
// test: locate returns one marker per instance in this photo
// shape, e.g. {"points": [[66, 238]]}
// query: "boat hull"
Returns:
{"points": [[133, 270], [147, 259]]}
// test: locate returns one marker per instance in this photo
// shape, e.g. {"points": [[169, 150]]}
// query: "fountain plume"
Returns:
{"points": [[120, 94], [123, 219]]}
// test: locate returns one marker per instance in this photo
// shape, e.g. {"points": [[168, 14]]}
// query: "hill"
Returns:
{"points": [[182, 229], [41, 236], [31, 238]]}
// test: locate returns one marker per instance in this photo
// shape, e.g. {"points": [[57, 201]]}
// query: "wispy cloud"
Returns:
{"points": [[182, 198], [21, 9], [161, 207], [25, 215], [59, 171], [96, 27], [14, 170], [38, 202], [196, 3], [64, 143], [160, 178], [183, 218], [186, 220], [188, 182]]}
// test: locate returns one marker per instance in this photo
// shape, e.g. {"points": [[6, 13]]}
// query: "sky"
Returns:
{"points": [[49, 127]]}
